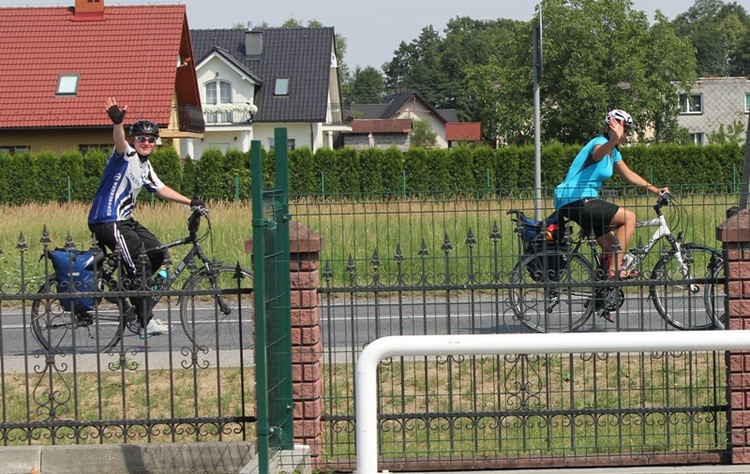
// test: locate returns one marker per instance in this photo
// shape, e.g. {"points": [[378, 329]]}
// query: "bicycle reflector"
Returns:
{"points": [[553, 232]]}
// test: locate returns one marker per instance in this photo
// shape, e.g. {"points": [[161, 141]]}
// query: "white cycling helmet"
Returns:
{"points": [[620, 116]]}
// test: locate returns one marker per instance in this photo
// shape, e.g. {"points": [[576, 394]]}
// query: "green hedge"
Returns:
{"points": [[44, 177]]}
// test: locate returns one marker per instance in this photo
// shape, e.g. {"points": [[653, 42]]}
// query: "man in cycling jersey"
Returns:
{"points": [[577, 197], [128, 169]]}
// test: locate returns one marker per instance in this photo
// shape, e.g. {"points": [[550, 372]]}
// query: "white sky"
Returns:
{"points": [[372, 33]]}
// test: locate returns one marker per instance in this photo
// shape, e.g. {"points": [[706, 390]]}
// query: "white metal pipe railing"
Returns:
{"points": [[493, 344]]}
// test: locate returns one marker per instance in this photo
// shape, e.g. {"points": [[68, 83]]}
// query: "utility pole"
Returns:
{"points": [[536, 41]]}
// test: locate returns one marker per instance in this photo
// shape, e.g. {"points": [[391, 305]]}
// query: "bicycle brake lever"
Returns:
{"points": [[200, 209]]}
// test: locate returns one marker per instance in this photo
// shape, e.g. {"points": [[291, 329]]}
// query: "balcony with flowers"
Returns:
{"points": [[229, 113]]}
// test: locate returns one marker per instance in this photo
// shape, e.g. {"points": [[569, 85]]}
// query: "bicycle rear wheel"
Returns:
{"points": [[695, 304], [217, 317], [60, 331], [553, 292]]}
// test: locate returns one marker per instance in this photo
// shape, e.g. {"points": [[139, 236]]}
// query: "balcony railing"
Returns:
{"points": [[190, 118], [229, 113]]}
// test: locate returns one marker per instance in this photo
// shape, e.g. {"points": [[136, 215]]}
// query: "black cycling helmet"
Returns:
{"points": [[144, 127]]}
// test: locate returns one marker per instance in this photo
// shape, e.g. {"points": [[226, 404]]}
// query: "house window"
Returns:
{"points": [[67, 84], [291, 144], [217, 93], [282, 86], [105, 147], [13, 149], [691, 103], [697, 138], [271, 142]]}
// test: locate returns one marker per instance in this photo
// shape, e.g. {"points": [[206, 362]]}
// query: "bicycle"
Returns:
{"points": [[101, 329], [555, 288]]}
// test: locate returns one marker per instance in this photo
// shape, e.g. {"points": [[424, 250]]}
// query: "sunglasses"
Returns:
{"points": [[145, 139]]}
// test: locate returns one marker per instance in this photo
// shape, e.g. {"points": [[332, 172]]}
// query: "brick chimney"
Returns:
{"points": [[87, 10]]}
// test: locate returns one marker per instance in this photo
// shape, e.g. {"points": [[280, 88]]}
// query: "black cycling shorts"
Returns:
{"points": [[593, 215]]}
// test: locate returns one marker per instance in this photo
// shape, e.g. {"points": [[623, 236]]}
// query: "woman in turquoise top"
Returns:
{"points": [[577, 197]]}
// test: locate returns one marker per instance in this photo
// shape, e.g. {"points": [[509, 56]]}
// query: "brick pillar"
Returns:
{"points": [[735, 235], [307, 347]]}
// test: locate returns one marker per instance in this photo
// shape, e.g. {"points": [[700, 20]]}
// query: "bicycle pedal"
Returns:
{"points": [[606, 315]]}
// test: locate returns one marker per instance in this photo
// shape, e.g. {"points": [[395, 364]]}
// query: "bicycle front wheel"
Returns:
{"points": [[60, 331], [219, 316], [552, 291], [692, 303]]}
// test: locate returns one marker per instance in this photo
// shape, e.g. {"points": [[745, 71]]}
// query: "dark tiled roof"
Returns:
{"points": [[368, 111], [392, 104], [130, 54], [301, 54], [449, 115]]}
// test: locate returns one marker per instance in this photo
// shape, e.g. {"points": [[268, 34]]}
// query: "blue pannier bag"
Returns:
{"points": [[76, 268], [548, 256], [532, 227]]}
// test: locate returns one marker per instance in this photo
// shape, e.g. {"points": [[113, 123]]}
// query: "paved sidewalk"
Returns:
{"points": [[705, 469]]}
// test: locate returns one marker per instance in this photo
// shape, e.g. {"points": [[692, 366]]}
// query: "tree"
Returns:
{"points": [[598, 55], [422, 135], [366, 86], [436, 67], [719, 32]]}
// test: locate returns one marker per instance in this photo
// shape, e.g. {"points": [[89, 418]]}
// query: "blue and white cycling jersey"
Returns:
{"points": [[123, 177], [585, 176]]}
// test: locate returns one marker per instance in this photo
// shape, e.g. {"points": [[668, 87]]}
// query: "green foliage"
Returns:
{"points": [[392, 171], [422, 135], [325, 166], [237, 173], [484, 159], [70, 169], [166, 163], [302, 179], [427, 170], [461, 164], [598, 55], [27, 178], [371, 162], [189, 186], [212, 183], [734, 133], [366, 86], [347, 167]]}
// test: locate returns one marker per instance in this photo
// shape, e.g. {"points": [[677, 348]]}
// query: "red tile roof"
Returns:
{"points": [[381, 126], [131, 55], [466, 131]]}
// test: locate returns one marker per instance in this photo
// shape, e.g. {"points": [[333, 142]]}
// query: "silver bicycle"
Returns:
{"points": [[555, 288]]}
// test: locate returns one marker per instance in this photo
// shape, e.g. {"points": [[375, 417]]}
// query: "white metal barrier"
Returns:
{"points": [[486, 344]]}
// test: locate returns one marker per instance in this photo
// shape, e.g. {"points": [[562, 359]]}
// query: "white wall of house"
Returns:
{"points": [[220, 134], [308, 135], [714, 102], [415, 110]]}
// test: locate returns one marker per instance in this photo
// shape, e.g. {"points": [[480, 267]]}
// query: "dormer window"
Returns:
{"points": [[67, 84], [282, 86]]}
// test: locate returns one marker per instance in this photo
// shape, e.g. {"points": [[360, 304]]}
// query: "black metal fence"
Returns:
{"points": [[86, 377], [439, 264]]}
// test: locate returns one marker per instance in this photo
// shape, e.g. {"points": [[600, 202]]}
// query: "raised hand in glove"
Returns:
{"points": [[116, 114]]}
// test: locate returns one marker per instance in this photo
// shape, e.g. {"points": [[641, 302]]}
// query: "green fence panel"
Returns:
{"points": [[272, 301]]}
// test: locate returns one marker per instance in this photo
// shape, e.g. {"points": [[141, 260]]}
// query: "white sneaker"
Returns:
{"points": [[154, 328]]}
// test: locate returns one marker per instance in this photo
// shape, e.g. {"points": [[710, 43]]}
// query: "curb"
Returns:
{"points": [[215, 457]]}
